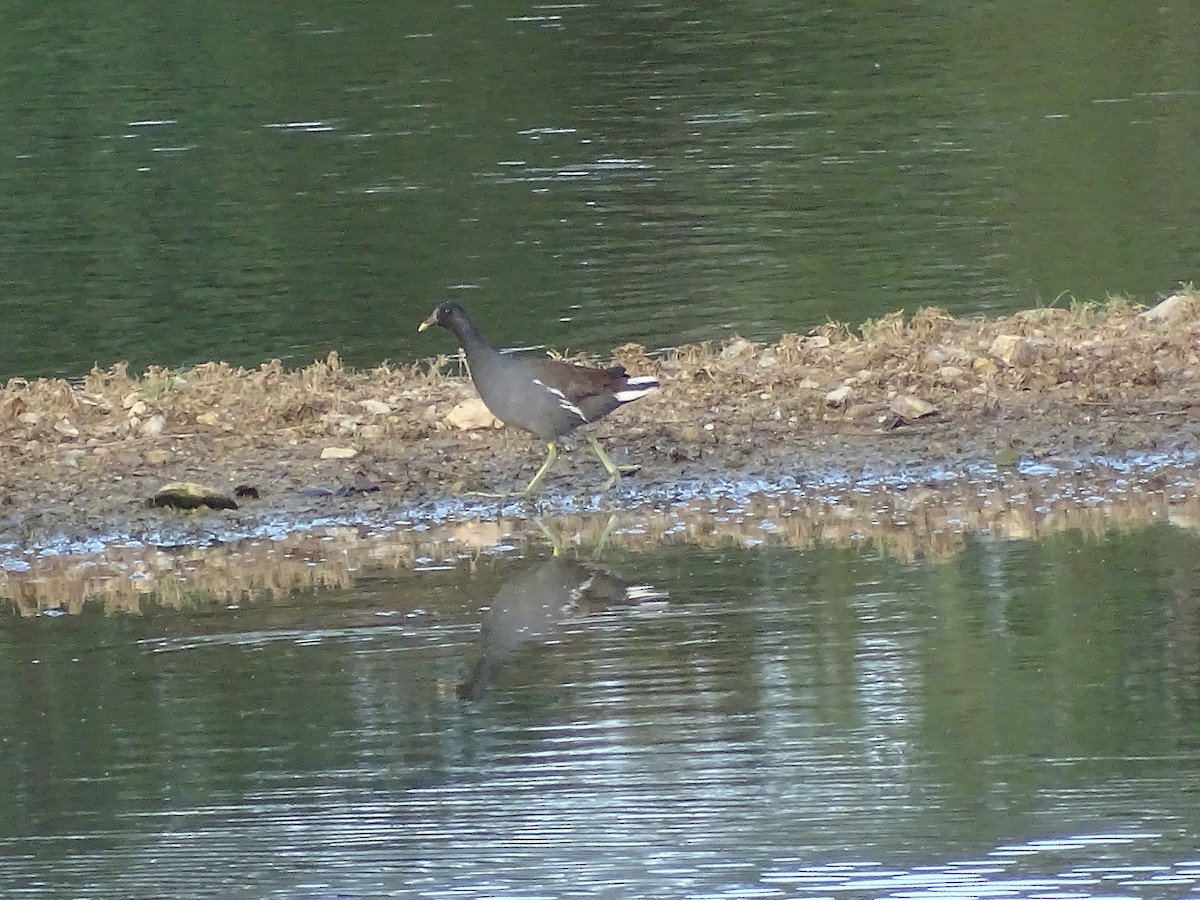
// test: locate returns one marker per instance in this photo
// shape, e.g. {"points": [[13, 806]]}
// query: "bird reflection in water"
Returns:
{"points": [[533, 607]]}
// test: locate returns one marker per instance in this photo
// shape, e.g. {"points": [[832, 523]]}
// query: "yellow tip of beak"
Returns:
{"points": [[422, 326]]}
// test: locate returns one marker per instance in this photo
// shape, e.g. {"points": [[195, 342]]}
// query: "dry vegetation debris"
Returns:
{"points": [[1091, 378]]}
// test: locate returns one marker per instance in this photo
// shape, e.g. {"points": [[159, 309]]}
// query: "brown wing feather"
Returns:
{"points": [[581, 382]]}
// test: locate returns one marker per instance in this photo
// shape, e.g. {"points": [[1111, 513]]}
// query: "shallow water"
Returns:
{"points": [[245, 182], [1018, 720]]}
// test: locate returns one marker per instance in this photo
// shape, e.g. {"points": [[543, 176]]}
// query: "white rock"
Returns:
{"points": [[338, 453], [471, 415], [1177, 306], [375, 407], [155, 425], [839, 396], [943, 355], [1012, 350], [911, 408], [737, 347]]}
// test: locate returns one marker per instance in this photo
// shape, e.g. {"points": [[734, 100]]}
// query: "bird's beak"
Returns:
{"points": [[432, 320]]}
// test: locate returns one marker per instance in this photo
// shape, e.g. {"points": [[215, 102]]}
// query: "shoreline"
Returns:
{"points": [[943, 424], [206, 560]]}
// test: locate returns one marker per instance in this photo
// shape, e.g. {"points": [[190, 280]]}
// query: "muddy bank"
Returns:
{"points": [[908, 432], [905, 521]]}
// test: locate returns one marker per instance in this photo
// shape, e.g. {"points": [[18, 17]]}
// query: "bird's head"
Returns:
{"points": [[443, 315]]}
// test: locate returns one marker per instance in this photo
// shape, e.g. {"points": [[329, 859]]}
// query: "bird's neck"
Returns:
{"points": [[472, 341]]}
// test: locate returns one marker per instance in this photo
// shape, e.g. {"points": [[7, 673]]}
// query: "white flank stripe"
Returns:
{"points": [[562, 400]]}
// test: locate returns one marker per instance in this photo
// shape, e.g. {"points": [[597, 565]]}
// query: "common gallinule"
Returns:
{"points": [[547, 397], [535, 606]]}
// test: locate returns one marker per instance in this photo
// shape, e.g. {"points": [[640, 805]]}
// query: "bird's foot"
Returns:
{"points": [[614, 478], [614, 475]]}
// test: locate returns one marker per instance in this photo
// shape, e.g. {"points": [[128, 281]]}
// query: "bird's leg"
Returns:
{"points": [[608, 527], [554, 539], [551, 456], [614, 471]]}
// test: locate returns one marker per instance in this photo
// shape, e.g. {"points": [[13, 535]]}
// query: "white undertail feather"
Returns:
{"points": [[644, 593], [636, 387]]}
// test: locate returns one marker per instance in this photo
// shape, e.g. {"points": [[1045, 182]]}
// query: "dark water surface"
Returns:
{"points": [[243, 181], [1022, 720]]}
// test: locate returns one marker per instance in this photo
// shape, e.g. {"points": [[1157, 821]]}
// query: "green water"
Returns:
{"points": [[244, 181], [1020, 720]]}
